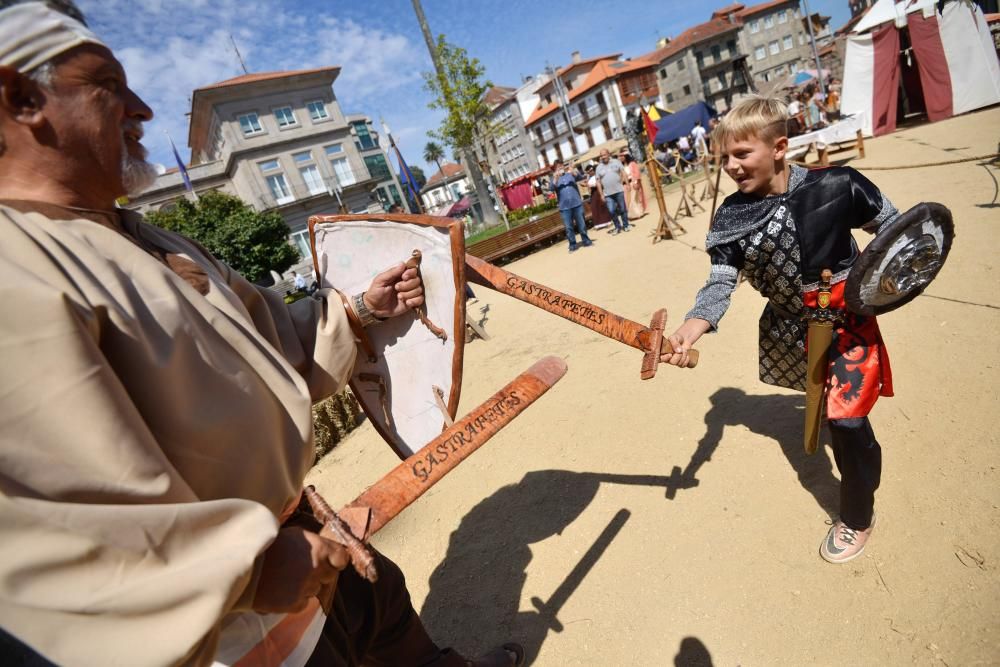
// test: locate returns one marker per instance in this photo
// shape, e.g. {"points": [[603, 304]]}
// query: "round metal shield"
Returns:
{"points": [[901, 261]]}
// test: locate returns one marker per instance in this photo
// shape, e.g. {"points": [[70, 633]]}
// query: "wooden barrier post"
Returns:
{"points": [[717, 156], [860, 145], [663, 230], [686, 202]]}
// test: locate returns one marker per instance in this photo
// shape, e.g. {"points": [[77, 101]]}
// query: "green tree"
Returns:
{"points": [[253, 243], [459, 88], [433, 153], [419, 177]]}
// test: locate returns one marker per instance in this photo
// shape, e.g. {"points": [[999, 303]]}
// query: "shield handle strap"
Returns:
{"points": [[414, 263]]}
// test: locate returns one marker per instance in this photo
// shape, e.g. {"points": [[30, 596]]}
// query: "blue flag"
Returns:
{"points": [[181, 167], [406, 179]]}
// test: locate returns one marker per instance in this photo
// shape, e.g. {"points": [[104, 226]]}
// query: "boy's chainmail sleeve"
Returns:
{"points": [[713, 299]]}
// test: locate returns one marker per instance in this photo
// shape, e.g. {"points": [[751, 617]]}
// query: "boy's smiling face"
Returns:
{"points": [[756, 165]]}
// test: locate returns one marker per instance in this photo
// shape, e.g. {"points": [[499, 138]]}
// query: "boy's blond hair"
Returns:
{"points": [[756, 116]]}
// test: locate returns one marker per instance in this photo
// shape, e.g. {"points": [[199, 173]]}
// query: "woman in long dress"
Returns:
{"points": [[599, 214], [636, 192]]}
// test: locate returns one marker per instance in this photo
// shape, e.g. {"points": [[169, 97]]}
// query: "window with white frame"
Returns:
{"points": [[300, 240], [317, 110], [755, 26], [760, 53], [341, 167], [774, 47], [276, 181], [787, 42], [312, 178], [309, 172], [783, 16], [769, 21], [250, 124], [284, 116]]}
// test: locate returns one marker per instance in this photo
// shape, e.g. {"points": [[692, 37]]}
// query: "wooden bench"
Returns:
{"points": [[549, 226]]}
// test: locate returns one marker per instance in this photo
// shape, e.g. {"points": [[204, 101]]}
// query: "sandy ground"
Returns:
{"points": [[621, 522]]}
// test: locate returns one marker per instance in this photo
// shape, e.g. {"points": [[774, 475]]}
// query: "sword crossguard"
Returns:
{"points": [[651, 359], [545, 613], [651, 341], [335, 528]]}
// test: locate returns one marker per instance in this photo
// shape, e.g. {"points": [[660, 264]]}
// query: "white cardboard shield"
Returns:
{"points": [[397, 389]]}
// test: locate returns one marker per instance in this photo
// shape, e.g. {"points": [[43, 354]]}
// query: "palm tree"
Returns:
{"points": [[433, 153]]}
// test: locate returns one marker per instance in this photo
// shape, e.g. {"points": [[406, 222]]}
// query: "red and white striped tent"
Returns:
{"points": [[944, 61]]}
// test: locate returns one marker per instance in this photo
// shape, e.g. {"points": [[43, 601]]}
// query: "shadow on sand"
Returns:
{"points": [[778, 417], [476, 591]]}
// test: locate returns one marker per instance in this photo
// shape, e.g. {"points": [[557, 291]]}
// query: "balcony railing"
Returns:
{"points": [[296, 190]]}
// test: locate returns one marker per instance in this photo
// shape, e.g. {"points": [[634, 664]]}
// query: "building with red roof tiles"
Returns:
{"points": [[280, 141], [585, 103], [445, 188], [698, 63], [706, 61]]}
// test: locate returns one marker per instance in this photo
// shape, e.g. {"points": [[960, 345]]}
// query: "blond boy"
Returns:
{"points": [[781, 229]]}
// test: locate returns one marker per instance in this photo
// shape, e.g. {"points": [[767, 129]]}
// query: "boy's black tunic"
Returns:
{"points": [[781, 243]]}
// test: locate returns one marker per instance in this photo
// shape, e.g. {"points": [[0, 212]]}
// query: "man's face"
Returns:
{"points": [[605, 156], [97, 121], [750, 163]]}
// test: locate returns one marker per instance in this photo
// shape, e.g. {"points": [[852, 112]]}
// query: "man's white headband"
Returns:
{"points": [[31, 34]]}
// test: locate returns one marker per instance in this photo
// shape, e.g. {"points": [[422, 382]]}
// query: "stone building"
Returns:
{"points": [[699, 64], [709, 61], [280, 141], [776, 38]]}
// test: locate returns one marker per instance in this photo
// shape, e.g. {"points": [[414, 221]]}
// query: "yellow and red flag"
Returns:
{"points": [[650, 126]]}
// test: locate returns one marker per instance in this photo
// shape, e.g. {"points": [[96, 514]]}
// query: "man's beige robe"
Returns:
{"points": [[150, 436]]}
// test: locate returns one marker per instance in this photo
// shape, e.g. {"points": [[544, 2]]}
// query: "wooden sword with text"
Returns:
{"points": [[377, 506], [649, 339]]}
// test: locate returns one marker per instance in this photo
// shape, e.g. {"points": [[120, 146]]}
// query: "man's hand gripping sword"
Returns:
{"points": [[366, 514]]}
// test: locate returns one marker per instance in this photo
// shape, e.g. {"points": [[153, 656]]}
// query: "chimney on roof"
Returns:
{"points": [[662, 41], [575, 56]]}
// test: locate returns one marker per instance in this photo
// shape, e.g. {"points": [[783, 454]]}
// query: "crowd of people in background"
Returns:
{"points": [[614, 184], [810, 109]]}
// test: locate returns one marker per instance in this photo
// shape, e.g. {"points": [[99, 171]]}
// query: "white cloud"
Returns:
{"points": [[169, 49]]}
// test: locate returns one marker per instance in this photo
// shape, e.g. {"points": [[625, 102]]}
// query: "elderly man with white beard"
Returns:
{"points": [[155, 422]]}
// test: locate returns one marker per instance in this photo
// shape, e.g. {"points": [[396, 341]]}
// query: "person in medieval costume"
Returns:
{"points": [[156, 426], [784, 226], [635, 134], [636, 192]]}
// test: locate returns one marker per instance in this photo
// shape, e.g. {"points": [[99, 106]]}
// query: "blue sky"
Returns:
{"points": [[171, 47]]}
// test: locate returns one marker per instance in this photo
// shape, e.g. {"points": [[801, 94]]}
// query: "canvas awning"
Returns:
{"points": [[681, 123], [615, 145]]}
